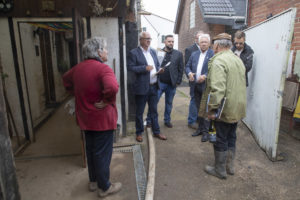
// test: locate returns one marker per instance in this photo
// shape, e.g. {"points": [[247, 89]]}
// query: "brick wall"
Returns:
{"points": [[186, 35], [260, 9]]}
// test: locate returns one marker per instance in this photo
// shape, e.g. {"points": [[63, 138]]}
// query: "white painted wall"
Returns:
{"points": [[157, 27], [34, 73], [9, 69], [108, 28], [33, 70]]}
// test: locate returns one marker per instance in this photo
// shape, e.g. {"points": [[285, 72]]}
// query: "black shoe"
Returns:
{"points": [[169, 125], [197, 133], [204, 137]]}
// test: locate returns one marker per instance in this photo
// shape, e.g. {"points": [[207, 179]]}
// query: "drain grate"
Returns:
{"points": [[139, 168]]}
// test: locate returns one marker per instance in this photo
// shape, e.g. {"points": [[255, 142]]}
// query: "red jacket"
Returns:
{"points": [[92, 81]]}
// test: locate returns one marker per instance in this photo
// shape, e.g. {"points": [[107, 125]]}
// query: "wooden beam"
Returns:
{"points": [[8, 179]]}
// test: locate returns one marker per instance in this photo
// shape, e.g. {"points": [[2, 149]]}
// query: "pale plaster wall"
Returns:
{"points": [[108, 28], [9, 69], [33, 70]]}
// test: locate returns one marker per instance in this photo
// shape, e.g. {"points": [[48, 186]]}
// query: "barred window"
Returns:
{"points": [[192, 14]]}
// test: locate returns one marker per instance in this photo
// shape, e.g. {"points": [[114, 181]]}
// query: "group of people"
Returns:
{"points": [[218, 74], [217, 78]]}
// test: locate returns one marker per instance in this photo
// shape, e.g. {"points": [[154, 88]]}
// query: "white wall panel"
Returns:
{"points": [[271, 42]]}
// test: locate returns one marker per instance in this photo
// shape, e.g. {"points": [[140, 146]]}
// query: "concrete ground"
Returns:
{"points": [[181, 159], [51, 168]]}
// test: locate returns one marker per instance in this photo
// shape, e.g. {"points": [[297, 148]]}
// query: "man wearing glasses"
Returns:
{"points": [[144, 63], [244, 51]]}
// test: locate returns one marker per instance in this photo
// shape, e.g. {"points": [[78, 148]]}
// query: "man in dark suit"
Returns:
{"points": [[244, 51], [144, 63], [170, 78], [196, 70], [192, 116]]}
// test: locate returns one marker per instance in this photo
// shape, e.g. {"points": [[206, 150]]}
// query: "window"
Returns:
{"points": [[162, 38], [192, 14]]}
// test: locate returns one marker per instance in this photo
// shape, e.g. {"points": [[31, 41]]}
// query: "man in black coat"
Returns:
{"points": [[244, 51], [193, 115], [170, 77]]}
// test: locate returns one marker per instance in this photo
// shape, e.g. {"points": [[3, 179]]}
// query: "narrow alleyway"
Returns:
{"points": [[51, 168]]}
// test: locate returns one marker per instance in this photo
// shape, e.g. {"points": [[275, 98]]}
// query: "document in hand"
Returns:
{"points": [[163, 68], [220, 108]]}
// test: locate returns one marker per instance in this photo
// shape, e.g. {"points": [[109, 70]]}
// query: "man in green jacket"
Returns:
{"points": [[226, 90]]}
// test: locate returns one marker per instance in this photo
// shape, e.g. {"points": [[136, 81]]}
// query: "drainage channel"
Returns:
{"points": [[139, 168]]}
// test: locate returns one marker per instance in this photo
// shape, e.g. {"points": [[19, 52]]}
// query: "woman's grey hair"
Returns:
{"points": [[204, 36], [223, 43], [91, 46]]}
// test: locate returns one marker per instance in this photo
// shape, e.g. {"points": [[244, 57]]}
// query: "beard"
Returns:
{"points": [[169, 48]]}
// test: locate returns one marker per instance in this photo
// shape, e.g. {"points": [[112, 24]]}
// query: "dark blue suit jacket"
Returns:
{"points": [[192, 64], [136, 62]]}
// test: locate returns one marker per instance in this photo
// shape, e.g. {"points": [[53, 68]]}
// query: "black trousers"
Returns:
{"points": [[226, 135], [203, 124], [99, 146]]}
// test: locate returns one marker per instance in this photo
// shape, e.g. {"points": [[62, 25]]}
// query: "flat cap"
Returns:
{"points": [[222, 36]]}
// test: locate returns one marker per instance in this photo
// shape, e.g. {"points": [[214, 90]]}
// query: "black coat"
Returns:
{"points": [[188, 52], [176, 67], [247, 58]]}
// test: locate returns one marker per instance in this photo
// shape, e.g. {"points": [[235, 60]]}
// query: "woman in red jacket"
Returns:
{"points": [[94, 86]]}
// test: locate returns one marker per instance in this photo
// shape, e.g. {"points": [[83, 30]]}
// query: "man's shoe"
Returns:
{"points": [[114, 188], [169, 125], [197, 133], [93, 186], [204, 137], [160, 136], [193, 126], [139, 138]]}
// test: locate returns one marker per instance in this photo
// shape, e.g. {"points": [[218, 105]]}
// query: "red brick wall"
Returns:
{"points": [[260, 9], [186, 35]]}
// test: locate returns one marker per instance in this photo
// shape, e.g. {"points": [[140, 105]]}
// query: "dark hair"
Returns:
{"points": [[168, 36], [239, 35]]}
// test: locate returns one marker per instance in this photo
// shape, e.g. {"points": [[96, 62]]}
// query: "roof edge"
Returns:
{"points": [[178, 16]]}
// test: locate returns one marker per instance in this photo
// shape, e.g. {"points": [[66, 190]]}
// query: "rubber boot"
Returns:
{"points": [[230, 161], [219, 170]]}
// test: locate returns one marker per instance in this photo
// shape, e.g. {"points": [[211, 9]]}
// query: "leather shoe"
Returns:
{"points": [[139, 138], [197, 133], [193, 125], [204, 137], [169, 125], [160, 136]]}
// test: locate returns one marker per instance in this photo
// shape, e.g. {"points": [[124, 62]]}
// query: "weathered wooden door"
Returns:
{"points": [[78, 35], [47, 66]]}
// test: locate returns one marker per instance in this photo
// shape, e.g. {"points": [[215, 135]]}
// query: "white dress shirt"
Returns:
{"points": [[200, 64], [238, 53], [150, 61]]}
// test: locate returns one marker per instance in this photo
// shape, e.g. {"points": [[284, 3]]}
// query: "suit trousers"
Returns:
{"points": [[226, 135], [152, 99], [99, 146], [203, 124]]}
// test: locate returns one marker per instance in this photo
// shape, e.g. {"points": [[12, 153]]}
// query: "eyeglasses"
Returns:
{"points": [[147, 39], [239, 43]]}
